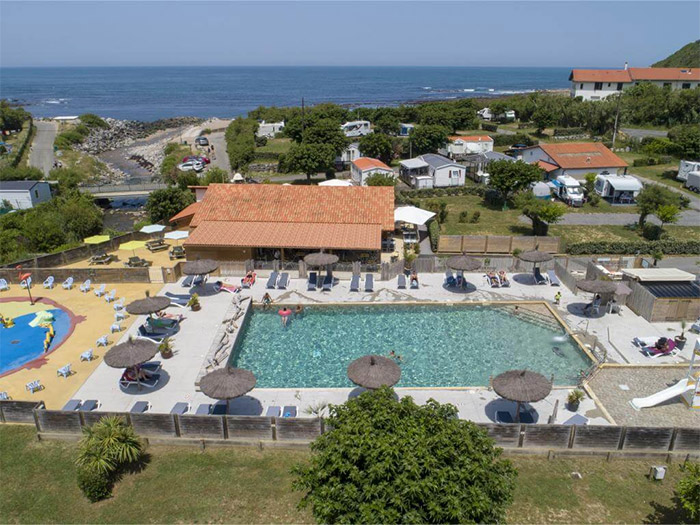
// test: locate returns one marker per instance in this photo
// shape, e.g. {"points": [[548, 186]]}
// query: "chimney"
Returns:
{"points": [[626, 66]]}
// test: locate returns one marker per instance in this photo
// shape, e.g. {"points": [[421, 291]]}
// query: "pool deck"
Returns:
{"points": [[97, 317], [479, 404]]}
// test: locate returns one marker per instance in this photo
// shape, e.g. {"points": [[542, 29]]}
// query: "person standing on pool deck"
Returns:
{"points": [[557, 298], [266, 301]]}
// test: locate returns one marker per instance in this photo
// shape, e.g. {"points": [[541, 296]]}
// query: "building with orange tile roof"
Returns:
{"points": [[236, 222], [575, 159], [597, 84], [364, 167]]}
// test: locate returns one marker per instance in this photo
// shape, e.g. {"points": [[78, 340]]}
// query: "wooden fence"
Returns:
{"points": [[496, 244], [96, 275], [641, 301], [565, 277], [255, 429]]}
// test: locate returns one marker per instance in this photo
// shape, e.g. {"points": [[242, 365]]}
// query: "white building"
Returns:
{"points": [[575, 159], [459, 146], [432, 171], [597, 84], [350, 153], [364, 167], [405, 129], [269, 129], [24, 194], [356, 128]]}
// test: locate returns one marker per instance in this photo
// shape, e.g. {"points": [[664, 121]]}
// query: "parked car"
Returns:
{"points": [[198, 158], [201, 141], [191, 165]]}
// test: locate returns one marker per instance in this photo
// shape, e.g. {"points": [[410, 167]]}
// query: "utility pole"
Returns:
{"points": [[617, 117], [302, 119]]}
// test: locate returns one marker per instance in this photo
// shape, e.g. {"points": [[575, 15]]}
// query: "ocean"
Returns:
{"points": [[151, 93]]}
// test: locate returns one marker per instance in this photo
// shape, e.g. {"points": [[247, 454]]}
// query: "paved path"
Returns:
{"points": [[694, 201], [688, 218], [219, 143], [641, 133], [41, 154]]}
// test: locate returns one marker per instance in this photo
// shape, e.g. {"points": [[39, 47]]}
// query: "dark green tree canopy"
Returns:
{"points": [[510, 177], [326, 131], [380, 180], [388, 461], [652, 197], [542, 213], [378, 146], [428, 138], [163, 204], [309, 158]]}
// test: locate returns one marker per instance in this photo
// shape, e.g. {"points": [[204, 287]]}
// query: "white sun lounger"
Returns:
{"points": [[4, 285], [48, 283], [85, 287], [68, 284]]}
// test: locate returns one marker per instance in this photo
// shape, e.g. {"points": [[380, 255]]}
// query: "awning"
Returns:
{"points": [[659, 274], [413, 164], [302, 235], [335, 182], [625, 183], [412, 215]]}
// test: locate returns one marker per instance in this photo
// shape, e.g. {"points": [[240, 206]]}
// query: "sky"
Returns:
{"points": [[344, 33]]}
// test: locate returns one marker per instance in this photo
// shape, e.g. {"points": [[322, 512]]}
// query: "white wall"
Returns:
{"points": [[609, 88], [467, 148], [23, 199], [448, 176], [360, 177]]}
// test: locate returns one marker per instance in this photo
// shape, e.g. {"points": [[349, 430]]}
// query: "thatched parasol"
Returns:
{"points": [[522, 386], [463, 263], [227, 383], [149, 305], [320, 259], [200, 267], [373, 371], [131, 353], [535, 256], [597, 286], [623, 289]]}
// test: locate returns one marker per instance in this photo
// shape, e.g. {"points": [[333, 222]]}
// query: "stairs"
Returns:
{"points": [[532, 317]]}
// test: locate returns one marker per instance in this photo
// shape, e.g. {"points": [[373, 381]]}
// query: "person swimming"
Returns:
{"points": [[395, 356], [299, 311]]}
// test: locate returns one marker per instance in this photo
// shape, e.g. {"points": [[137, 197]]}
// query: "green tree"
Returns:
{"points": [[326, 131], [543, 117], [310, 158], [388, 461], [93, 121], [187, 178], [11, 118], [379, 179], [542, 213], [687, 139], [508, 178], [212, 175], [81, 218], [378, 146], [163, 204], [688, 490], [651, 198], [428, 138], [387, 124], [667, 214]]}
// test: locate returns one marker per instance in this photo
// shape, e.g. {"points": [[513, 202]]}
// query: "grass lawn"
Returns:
{"points": [[246, 485], [275, 146], [86, 165]]}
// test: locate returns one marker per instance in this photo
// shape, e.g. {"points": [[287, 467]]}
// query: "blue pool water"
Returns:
{"points": [[22, 343], [441, 345]]}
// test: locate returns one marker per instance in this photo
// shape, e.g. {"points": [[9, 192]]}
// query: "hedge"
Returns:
{"points": [[434, 234], [445, 192], [489, 127], [518, 138], [651, 161], [16, 156], [667, 247], [267, 155], [569, 132]]}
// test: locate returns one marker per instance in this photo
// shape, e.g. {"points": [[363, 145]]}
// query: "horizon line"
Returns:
{"points": [[65, 66]]}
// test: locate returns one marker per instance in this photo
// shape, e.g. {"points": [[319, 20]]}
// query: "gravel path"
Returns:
{"points": [[219, 143], [687, 218], [41, 155]]}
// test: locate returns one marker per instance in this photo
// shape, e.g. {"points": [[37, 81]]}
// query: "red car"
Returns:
{"points": [[199, 158]]}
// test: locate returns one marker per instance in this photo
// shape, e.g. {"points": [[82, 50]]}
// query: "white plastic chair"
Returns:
{"points": [[99, 292], [48, 283], [119, 315], [64, 371], [34, 386], [4, 285], [102, 341], [111, 296], [85, 287], [68, 284], [26, 283], [119, 305], [87, 355], [116, 327], [4, 396]]}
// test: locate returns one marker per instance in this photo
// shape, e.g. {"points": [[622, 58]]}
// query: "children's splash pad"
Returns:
{"points": [[29, 332]]}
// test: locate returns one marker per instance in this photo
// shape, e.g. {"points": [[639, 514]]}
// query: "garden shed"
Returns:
{"points": [[663, 294]]}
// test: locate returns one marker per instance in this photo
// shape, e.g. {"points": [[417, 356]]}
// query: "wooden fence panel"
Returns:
{"points": [[524, 244], [647, 438], [498, 243], [640, 301], [553, 436], [504, 435], [450, 244], [298, 429], [249, 427], [547, 244], [474, 243], [157, 425], [594, 436], [18, 411], [194, 426], [58, 422], [687, 439], [564, 276], [90, 418]]}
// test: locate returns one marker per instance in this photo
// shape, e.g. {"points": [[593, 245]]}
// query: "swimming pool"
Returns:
{"points": [[23, 343], [440, 345]]}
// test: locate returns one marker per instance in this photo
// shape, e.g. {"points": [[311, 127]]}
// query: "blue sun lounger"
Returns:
{"points": [[180, 408], [71, 406], [401, 285], [553, 279], [272, 281], [312, 282], [89, 405], [369, 282], [355, 283], [327, 283], [283, 281], [140, 407], [504, 417], [289, 411], [273, 411], [539, 278]]}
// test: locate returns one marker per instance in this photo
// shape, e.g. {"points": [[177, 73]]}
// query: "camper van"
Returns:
{"points": [[356, 128], [618, 189], [567, 189], [693, 181], [686, 167]]}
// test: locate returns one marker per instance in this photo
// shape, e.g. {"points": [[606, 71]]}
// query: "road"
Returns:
{"points": [[641, 133], [687, 218], [41, 153], [221, 161]]}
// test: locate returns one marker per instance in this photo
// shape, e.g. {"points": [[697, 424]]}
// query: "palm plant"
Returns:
{"points": [[107, 445]]}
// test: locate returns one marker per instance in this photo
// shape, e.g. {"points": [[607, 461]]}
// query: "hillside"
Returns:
{"points": [[687, 56]]}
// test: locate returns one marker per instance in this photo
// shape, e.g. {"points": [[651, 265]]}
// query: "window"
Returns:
{"points": [[581, 87], [36, 194], [598, 86], [686, 85], [609, 84], [667, 84], [619, 86]]}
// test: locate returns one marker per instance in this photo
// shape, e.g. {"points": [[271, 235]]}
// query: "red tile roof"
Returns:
{"points": [[368, 163], [187, 212], [546, 166], [471, 138], [582, 155], [303, 204], [634, 74], [314, 236]]}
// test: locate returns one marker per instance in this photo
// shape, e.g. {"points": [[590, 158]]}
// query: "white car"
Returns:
{"points": [[191, 165]]}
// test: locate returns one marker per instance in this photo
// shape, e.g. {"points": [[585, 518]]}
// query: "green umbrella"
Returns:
{"points": [[96, 239]]}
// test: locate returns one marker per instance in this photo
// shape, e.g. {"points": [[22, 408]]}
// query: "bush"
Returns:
{"points": [[69, 138], [645, 161], [434, 234], [651, 232], [95, 486], [568, 132], [475, 217], [518, 138], [464, 216], [93, 121], [667, 246], [489, 127], [594, 200], [688, 490], [260, 141]]}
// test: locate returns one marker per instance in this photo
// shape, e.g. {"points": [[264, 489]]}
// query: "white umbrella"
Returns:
{"points": [[335, 182], [412, 215], [238, 178], [177, 235], [152, 228]]}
